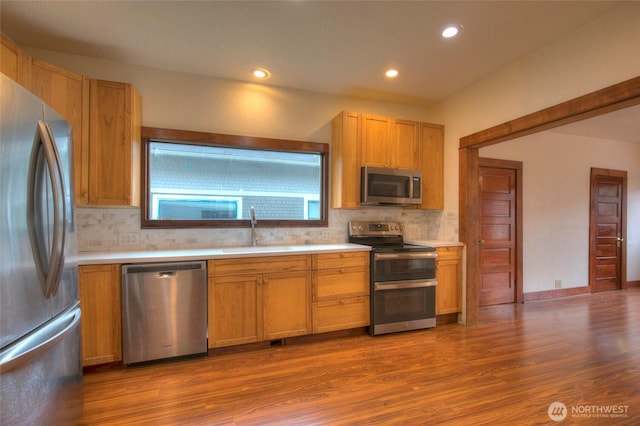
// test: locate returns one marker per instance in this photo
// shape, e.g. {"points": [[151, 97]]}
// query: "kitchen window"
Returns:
{"points": [[194, 179]]}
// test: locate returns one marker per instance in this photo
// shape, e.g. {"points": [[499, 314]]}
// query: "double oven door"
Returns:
{"points": [[403, 290]]}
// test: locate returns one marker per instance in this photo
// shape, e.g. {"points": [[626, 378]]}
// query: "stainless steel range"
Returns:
{"points": [[403, 278]]}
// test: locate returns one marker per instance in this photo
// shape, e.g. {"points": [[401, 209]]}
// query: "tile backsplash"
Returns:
{"points": [[112, 229]]}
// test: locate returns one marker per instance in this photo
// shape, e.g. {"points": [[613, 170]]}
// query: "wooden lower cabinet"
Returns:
{"points": [[286, 303], [234, 317], [100, 301], [449, 276], [340, 291], [256, 299]]}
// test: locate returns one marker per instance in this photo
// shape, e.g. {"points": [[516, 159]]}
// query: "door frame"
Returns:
{"points": [[517, 167], [623, 226], [612, 98]]}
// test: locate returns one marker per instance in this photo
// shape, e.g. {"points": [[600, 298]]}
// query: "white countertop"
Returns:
{"points": [[100, 258], [435, 243]]}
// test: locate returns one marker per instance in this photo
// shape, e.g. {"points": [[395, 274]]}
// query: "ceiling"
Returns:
{"points": [[332, 47]]}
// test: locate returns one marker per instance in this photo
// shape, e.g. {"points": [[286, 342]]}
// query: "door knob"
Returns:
{"points": [[480, 242]]}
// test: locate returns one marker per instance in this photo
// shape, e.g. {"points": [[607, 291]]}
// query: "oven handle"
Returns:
{"points": [[400, 285], [405, 255]]}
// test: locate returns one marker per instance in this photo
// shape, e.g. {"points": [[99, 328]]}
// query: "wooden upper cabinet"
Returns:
{"points": [[115, 147], [11, 60], [105, 118], [432, 165], [68, 93], [404, 145], [376, 136], [387, 142], [345, 161], [369, 140]]}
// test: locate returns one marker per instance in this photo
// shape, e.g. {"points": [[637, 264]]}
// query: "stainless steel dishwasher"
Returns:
{"points": [[164, 310]]}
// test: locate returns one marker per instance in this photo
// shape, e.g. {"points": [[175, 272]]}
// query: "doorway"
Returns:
{"points": [[500, 243], [612, 98], [607, 230]]}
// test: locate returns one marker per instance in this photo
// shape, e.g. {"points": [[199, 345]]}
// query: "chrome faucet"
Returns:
{"points": [[254, 238]]}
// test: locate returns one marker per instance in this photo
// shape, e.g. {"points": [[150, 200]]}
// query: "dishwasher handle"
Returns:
{"points": [[166, 274], [165, 269]]}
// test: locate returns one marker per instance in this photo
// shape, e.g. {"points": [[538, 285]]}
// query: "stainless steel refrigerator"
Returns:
{"points": [[40, 358]]}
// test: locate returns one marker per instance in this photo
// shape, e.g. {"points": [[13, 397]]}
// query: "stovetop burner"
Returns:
{"points": [[382, 236]]}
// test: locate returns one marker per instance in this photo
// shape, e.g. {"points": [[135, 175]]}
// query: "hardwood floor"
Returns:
{"points": [[582, 351]]}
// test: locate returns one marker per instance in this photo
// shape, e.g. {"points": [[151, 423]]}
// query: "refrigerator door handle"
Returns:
{"points": [[49, 260], [46, 337]]}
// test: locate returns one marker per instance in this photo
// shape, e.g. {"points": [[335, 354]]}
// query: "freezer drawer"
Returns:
{"points": [[164, 311], [41, 374]]}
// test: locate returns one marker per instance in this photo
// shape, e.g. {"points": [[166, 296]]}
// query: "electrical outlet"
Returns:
{"points": [[558, 283], [326, 235], [128, 239]]}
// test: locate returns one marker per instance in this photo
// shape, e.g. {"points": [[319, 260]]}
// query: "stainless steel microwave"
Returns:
{"points": [[395, 187]]}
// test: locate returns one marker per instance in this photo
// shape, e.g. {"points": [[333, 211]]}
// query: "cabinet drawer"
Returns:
{"points": [[340, 260], [446, 253], [258, 265], [343, 282], [342, 314]]}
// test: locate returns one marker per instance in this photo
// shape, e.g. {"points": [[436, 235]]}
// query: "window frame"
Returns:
{"points": [[190, 137]]}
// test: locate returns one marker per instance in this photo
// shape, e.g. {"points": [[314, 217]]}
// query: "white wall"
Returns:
{"points": [[556, 182], [599, 54], [193, 102]]}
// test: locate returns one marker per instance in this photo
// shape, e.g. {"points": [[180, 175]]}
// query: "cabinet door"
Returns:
{"points": [[68, 93], [345, 161], [286, 300], [235, 314], [404, 145], [432, 155], [114, 151], [376, 136], [449, 276], [11, 58], [100, 299]]}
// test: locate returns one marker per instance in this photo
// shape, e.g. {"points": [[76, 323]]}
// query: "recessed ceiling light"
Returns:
{"points": [[261, 73], [451, 31], [391, 73]]}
